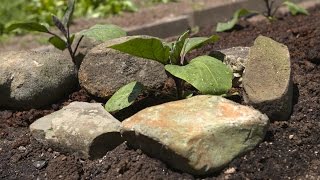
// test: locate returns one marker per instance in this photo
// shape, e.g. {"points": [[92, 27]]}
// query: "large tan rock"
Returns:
{"points": [[199, 135], [267, 79]]}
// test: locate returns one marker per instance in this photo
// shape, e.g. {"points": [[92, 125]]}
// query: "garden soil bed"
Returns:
{"points": [[291, 149]]}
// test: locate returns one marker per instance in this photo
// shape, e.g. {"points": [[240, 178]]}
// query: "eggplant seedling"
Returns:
{"points": [[66, 40], [60, 42], [270, 13], [205, 73]]}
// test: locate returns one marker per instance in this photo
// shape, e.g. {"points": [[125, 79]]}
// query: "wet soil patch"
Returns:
{"points": [[289, 151]]}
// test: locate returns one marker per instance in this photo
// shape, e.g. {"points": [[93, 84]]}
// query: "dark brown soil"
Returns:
{"points": [[291, 149]]}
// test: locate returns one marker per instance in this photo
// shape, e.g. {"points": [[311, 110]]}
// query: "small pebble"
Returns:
{"points": [[291, 136], [230, 170], [81, 161], [39, 164], [55, 154], [22, 148]]}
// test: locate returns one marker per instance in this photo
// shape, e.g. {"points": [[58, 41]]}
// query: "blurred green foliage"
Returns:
{"points": [[12, 11], [163, 1], [41, 10]]}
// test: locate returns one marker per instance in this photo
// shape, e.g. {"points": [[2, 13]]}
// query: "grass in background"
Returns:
{"points": [[41, 10], [13, 11]]}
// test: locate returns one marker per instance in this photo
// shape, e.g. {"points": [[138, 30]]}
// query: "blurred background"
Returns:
{"points": [[41, 10]]}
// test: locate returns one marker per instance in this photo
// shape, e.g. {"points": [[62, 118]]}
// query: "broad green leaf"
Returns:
{"points": [[30, 26], [103, 33], [58, 42], [145, 47], [295, 9], [207, 74], [177, 48], [230, 24], [196, 42], [124, 97], [68, 14]]}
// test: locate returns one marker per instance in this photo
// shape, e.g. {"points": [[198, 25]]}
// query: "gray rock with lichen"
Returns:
{"points": [[104, 71], [31, 79]]}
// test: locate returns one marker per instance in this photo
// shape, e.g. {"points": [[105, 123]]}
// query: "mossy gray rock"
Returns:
{"points": [[85, 128], [104, 71], [267, 79], [199, 135], [34, 79]]}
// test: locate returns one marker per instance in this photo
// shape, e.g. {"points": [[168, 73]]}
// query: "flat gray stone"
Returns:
{"points": [[199, 135], [85, 128], [34, 79], [104, 71], [267, 79]]}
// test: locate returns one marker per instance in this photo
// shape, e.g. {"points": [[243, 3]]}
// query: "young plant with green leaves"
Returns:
{"points": [[270, 13], [66, 39], [61, 42], [205, 73]]}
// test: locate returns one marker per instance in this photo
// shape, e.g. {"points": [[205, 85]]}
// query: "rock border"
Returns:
{"points": [[173, 26]]}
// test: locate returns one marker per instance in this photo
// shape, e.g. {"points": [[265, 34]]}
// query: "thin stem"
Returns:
{"points": [[269, 7], [179, 87], [68, 31], [78, 43], [275, 11], [71, 54], [271, 13], [68, 45], [53, 34]]}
